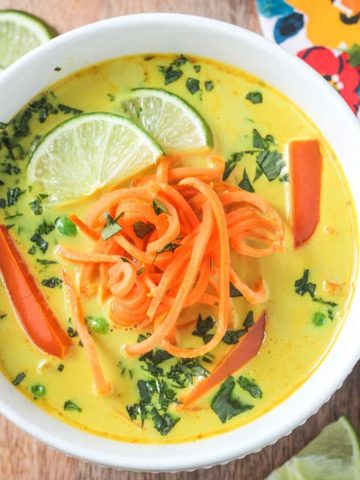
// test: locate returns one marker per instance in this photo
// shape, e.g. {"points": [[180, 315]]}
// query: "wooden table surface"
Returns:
{"points": [[22, 457]]}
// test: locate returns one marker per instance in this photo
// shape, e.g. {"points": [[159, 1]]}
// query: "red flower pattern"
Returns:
{"points": [[338, 71]]}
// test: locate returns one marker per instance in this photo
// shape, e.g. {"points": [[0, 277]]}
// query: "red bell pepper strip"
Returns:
{"points": [[33, 312], [305, 183], [236, 358]]}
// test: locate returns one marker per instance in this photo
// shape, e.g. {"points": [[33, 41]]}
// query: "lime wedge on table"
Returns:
{"points": [[20, 33], [333, 455], [89, 151], [174, 123]]}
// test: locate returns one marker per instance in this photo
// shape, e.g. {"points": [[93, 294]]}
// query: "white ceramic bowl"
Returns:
{"points": [[250, 52]]}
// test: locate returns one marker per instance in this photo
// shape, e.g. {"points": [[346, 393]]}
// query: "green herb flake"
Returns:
{"points": [[263, 143], [197, 68], [69, 110], [40, 242], [111, 227], [36, 206], [193, 85], [303, 286], [142, 229], [169, 247], [170, 74], [45, 262], [209, 85], [70, 406], [60, 367], [254, 97], [52, 282], [203, 327], [163, 423], [271, 163], [57, 69], [10, 169], [232, 337], [234, 292], [111, 97], [184, 371], [245, 183], [19, 378], [319, 319], [231, 163], [159, 207], [250, 386], [71, 332], [225, 404], [2, 315], [38, 390], [13, 195]]}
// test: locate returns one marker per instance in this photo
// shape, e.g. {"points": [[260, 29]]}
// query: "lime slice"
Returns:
{"points": [[20, 33], [333, 455], [174, 123], [88, 152]]}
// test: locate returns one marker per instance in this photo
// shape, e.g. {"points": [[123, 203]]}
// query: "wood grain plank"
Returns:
{"points": [[23, 458]]}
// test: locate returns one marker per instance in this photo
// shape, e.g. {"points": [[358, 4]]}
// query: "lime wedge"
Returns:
{"points": [[173, 122], [20, 33], [88, 152], [333, 455]]}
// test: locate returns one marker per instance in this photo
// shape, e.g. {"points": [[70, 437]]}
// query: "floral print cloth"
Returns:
{"points": [[324, 33]]}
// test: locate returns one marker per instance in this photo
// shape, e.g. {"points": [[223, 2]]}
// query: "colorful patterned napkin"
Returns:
{"points": [[324, 33]]}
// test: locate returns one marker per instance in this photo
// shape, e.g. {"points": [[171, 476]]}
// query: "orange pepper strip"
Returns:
{"points": [[236, 358], [34, 314], [305, 181]]}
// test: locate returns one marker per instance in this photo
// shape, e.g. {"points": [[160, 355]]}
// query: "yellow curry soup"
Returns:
{"points": [[309, 289]]}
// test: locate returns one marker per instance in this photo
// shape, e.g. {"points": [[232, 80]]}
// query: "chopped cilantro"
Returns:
{"points": [[163, 423], [263, 143], [52, 282], [250, 386], [10, 169], [111, 227], [36, 206], [60, 367], [69, 110], [170, 74], [197, 68], [43, 261], [225, 404], [203, 327], [232, 337], [209, 85], [159, 207], [245, 183], [271, 163], [193, 85], [231, 163], [254, 97], [40, 242], [19, 378], [170, 247], [303, 286], [234, 292], [71, 406], [142, 229], [13, 195]]}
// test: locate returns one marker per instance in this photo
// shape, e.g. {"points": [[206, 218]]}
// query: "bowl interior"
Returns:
{"points": [[229, 44]]}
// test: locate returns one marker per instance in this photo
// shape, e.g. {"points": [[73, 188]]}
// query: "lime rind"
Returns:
{"points": [[333, 455], [89, 151], [171, 120], [20, 32]]}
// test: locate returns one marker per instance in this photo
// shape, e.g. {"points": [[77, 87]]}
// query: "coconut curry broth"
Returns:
{"points": [[299, 331]]}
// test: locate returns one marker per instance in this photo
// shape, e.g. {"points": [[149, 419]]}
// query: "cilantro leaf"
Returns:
{"points": [[225, 404], [111, 227], [245, 183], [271, 163], [193, 85], [250, 386], [203, 327], [142, 229], [159, 207], [254, 97]]}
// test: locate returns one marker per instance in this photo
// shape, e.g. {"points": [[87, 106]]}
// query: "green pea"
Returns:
{"points": [[98, 324], [65, 226], [319, 319], [38, 390]]}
